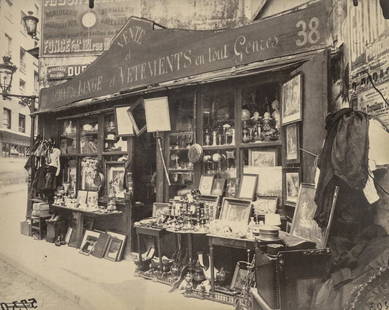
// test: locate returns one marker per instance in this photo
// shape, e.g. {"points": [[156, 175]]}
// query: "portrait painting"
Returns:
{"points": [[115, 180], [218, 187], [292, 143], [292, 185], [291, 95]]}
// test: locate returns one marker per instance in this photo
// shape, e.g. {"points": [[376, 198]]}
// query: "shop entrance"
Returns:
{"points": [[144, 170]]}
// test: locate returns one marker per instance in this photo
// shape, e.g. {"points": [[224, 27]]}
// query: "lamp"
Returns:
{"points": [[7, 69], [31, 22]]}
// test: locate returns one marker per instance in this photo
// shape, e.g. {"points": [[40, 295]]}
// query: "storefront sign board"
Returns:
{"points": [[64, 72], [142, 55]]}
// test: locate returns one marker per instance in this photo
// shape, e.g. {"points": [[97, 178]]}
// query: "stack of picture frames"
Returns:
{"points": [[108, 245], [291, 117]]}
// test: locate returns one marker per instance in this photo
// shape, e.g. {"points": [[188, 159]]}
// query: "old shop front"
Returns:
{"points": [[242, 120]]}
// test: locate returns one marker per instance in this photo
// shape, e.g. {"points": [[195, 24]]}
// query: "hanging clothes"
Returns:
{"points": [[344, 158]]}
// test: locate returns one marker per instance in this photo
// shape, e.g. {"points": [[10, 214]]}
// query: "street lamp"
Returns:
{"points": [[7, 69], [31, 22]]}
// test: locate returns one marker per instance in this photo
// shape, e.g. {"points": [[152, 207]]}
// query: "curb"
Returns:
{"points": [[60, 290]]}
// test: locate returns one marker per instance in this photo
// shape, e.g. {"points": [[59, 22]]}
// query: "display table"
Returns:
{"points": [[224, 241], [156, 233], [79, 215], [189, 235]]}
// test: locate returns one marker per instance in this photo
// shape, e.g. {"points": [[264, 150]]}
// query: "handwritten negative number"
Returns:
{"points": [[310, 35]]}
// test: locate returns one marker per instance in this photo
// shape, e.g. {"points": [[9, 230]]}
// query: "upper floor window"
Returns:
{"points": [[8, 42], [22, 60], [22, 123], [22, 85], [7, 118], [36, 81], [22, 15]]}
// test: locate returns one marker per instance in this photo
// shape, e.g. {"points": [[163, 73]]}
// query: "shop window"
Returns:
{"points": [[22, 123], [218, 117], [69, 176], [113, 143], [260, 114], [89, 129], [181, 138], [5, 149], [7, 118], [68, 137]]}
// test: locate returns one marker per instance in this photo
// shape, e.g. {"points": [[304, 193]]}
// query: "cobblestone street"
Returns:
{"points": [[16, 285]]}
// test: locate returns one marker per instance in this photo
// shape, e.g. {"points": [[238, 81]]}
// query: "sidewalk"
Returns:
{"points": [[88, 281]]}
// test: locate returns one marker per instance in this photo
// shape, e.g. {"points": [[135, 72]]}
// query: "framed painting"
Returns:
{"points": [[291, 103], [212, 204], [89, 241], [292, 186], [218, 187], [115, 179], [113, 249], [303, 224], [265, 205], [160, 209], [292, 144], [248, 186], [206, 183], [232, 187], [240, 277], [235, 210], [262, 158], [115, 246]]}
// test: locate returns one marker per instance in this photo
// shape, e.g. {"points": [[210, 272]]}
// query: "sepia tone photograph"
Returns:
{"points": [[194, 154]]}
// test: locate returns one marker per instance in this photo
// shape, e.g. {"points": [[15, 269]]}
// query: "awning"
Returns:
{"points": [[146, 58], [14, 138]]}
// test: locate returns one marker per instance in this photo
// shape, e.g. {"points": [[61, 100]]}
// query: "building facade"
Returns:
{"points": [[15, 42]]}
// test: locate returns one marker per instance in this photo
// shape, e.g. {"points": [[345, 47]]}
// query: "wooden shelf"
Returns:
{"points": [[179, 133], [115, 153], [219, 147], [261, 144], [180, 149], [180, 170]]}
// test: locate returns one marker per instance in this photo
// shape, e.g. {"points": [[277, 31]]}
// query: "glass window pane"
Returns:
{"points": [[89, 129], [68, 135], [218, 117], [260, 113]]}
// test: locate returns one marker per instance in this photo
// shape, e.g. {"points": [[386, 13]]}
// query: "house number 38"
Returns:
{"points": [[308, 33]]}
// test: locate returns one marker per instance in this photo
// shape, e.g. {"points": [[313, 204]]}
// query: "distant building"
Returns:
{"points": [[15, 42]]}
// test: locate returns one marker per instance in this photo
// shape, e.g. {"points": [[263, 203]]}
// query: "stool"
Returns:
{"points": [[38, 225]]}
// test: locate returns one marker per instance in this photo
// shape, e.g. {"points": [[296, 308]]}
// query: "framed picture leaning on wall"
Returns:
{"points": [[303, 224]]}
